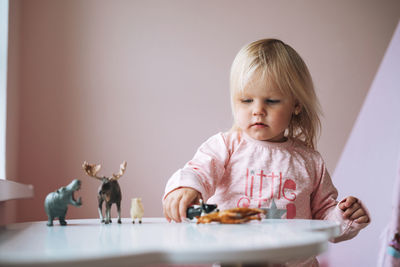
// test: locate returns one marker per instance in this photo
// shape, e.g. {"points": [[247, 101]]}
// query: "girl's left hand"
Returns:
{"points": [[353, 210]]}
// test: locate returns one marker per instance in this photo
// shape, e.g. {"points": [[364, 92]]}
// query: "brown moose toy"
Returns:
{"points": [[109, 191]]}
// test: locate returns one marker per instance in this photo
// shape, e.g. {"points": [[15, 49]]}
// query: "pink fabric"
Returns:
{"points": [[233, 170]]}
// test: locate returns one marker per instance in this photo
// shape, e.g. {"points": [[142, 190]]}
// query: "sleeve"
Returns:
{"points": [[204, 171], [324, 206]]}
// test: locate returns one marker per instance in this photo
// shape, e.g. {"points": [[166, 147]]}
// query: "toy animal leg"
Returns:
{"points": [[100, 209], [50, 221], [137, 217], [119, 211], [108, 213], [62, 220]]}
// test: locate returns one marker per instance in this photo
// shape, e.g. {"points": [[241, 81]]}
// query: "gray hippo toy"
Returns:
{"points": [[56, 203]]}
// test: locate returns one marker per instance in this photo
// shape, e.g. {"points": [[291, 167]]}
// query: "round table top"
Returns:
{"points": [[88, 242]]}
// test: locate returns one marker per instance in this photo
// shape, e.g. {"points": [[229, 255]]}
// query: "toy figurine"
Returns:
{"points": [[233, 216], [109, 191], [137, 210], [200, 210], [56, 203]]}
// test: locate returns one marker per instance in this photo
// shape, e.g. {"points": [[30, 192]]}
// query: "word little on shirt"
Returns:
{"points": [[262, 188]]}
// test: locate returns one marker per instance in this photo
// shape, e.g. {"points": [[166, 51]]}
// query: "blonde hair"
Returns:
{"points": [[281, 65]]}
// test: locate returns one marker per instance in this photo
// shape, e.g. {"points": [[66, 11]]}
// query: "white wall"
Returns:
{"points": [[3, 83], [369, 163]]}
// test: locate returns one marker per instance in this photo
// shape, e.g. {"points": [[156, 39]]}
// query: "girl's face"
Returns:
{"points": [[263, 112]]}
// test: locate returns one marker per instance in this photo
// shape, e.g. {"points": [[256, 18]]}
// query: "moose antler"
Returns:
{"points": [[92, 170], [122, 169]]}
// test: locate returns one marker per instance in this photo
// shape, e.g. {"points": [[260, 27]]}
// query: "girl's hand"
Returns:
{"points": [[177, 202], [353, 210]]}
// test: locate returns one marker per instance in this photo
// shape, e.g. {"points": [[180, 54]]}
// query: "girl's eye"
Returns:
{"points": [[246, 100], [272, 101]]}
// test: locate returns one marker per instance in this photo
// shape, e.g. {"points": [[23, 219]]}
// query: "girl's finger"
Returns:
{"points": [[349, 211], [347, 202], [165, 211], [357, 214], [183, 205], [362, 219], [166, 216], [174, 209]]}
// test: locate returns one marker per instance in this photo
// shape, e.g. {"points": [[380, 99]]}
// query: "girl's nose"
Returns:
{"points": [[259, 110]]}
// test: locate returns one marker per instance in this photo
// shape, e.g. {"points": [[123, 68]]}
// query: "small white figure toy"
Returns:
{"points": [[137, 210]]}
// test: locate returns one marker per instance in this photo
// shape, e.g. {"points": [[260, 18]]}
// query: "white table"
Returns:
{"points": [[89, 243]]}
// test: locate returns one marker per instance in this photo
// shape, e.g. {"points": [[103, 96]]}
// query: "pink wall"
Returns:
{"points": [[147, 82]]}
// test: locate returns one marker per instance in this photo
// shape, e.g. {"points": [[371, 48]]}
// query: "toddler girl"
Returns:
{"points": [[267, 160]]}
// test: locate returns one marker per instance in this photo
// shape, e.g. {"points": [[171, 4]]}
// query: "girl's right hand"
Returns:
{"points": [[176, 203]]}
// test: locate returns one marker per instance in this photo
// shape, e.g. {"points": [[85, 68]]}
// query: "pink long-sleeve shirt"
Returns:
{"points": [[289, 179]]}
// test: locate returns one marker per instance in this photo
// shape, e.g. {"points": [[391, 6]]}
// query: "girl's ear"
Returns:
{"points": [[297, 108]]}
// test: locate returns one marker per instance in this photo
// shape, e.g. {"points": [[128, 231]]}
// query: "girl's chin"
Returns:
{"points": [[266, 137], [258, 136]]}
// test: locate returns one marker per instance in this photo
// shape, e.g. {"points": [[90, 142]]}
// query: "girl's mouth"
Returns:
{"points": [[259, 125]]}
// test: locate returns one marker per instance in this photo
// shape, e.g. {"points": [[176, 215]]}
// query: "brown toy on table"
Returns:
{"points": [[109, 190], [232, 216]]}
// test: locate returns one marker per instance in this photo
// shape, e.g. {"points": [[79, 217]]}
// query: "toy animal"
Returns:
{"points": [[56, 203], [200, 210], [109, 191], [232, 216], [137, 210]]}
